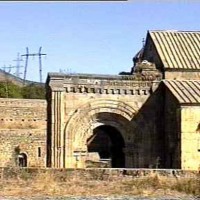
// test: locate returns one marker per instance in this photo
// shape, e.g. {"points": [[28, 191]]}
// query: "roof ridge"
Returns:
{"points": [[177, 31], [170, 80]]}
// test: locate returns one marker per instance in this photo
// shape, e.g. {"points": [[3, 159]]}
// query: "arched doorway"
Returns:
{"points": [[108, 142], [22, 160]]}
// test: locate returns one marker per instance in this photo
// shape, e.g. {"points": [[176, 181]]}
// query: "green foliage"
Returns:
{"points": [[10, 90], [32, 91]]}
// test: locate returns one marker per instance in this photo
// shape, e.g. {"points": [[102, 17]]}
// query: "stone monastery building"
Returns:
{"points": [[146, 118]]}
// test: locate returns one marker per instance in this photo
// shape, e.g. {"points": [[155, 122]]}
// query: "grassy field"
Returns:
{"points": [[47, 184]]}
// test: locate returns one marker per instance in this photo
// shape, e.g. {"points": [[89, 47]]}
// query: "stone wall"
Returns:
{"points": [[172, 131], [147, 132], [95, 174], [190, 137], [81, 103], [23, 130]]}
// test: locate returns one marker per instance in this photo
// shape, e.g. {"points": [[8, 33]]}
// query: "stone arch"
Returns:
{"points": [[95, 113], [98, 106], [101, 105]]}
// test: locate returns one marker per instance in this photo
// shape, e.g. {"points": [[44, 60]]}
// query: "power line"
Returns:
{"points": [[39, 54], [9, 68], [18, 60]]}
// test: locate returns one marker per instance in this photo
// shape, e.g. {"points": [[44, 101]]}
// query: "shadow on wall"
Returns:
{"points": [[148, 131], [155, 131]]}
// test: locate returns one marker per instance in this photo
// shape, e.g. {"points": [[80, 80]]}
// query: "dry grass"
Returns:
{"points": [[47, 184]]}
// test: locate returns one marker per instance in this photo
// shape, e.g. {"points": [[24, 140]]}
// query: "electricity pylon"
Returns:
{"points": [[39, 54]]}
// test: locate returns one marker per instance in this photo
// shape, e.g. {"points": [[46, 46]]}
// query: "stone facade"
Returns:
{"points": [[190, 137], [154, 133], [153, 128], [81, 103], [148, 118], [23, 132], [171, 131]]}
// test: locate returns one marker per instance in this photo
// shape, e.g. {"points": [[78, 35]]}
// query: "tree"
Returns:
{"points": [[33, 91], [10, 90]]}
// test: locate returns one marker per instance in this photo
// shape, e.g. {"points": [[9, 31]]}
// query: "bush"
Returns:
{"points": [[32, 91], [189, 186], [10, 90]]}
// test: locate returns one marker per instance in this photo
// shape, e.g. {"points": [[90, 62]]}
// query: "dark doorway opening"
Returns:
{"points": [[108, 142], [22, 160]]}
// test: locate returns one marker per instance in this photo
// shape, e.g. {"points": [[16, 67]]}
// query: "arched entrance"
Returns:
{"points": [[70, 143], [108, 142]]}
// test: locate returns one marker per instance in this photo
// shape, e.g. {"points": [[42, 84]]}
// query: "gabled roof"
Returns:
{"points": [[185, 91], [178, 49]]}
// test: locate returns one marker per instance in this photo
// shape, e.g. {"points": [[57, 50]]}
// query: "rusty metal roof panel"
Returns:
{"points": [[185, 91], [178, 49]]}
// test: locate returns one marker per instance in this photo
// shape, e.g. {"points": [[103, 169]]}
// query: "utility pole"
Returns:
{"points": [[26, 63], [9, 68], [39, 54], [18, 60], [40, 63]]}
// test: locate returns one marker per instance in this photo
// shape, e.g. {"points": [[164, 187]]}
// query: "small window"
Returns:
{"points": [[39, 151]]}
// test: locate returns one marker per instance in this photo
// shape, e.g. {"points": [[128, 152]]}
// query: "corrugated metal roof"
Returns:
{"points": [[185, 91], [178, 49]]}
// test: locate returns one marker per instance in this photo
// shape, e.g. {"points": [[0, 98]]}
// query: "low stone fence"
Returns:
{"points": [[95, 174]]}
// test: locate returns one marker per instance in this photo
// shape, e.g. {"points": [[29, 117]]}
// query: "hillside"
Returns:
{"points": [[7, 77], [15, 87]]}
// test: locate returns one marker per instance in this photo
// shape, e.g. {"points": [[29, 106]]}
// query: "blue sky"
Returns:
{"points": [[86, 37]]}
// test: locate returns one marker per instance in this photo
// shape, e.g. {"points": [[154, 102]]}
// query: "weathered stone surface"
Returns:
{"points": [[190, 137], [23, 130], [85, 103], [131, 120]]}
